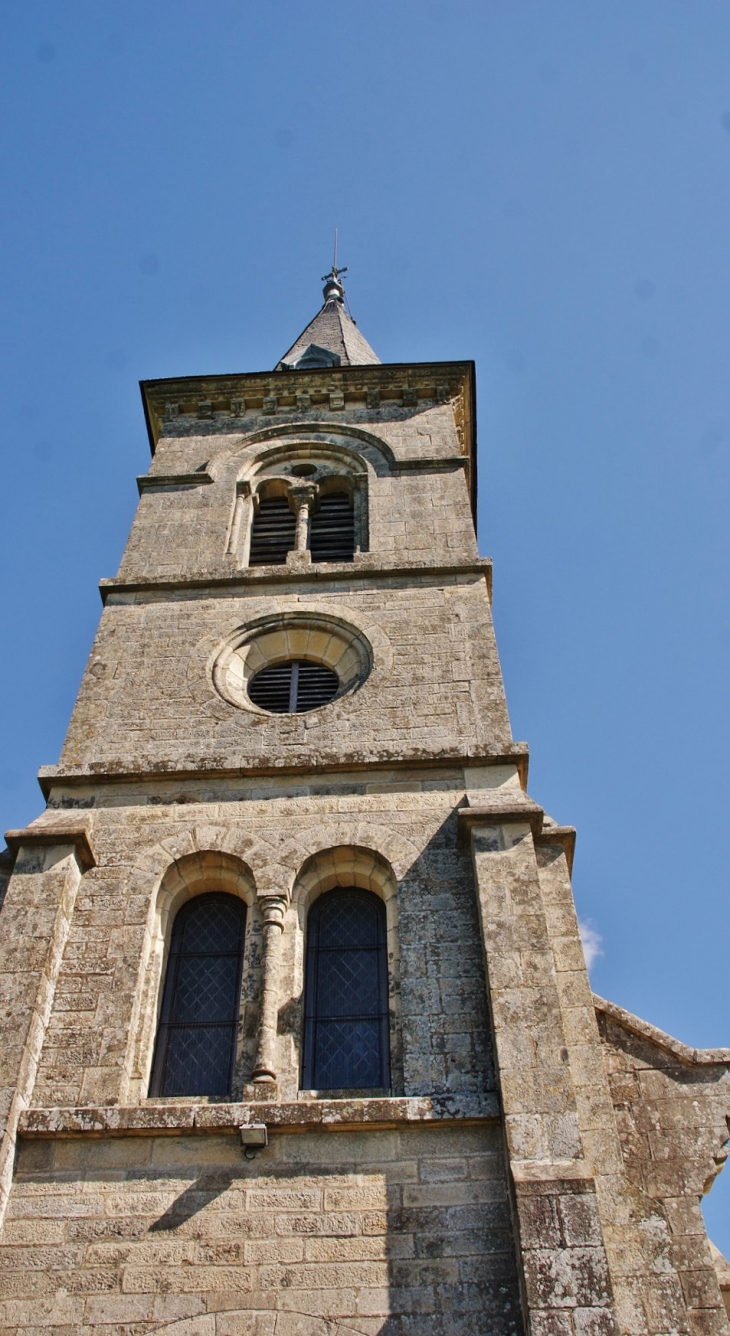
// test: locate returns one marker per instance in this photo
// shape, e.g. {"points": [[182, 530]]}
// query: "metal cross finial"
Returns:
{"points": [[334, 274]]}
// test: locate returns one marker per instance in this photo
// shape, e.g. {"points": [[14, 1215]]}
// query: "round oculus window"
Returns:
{"points": [[291, 663], [293, 687]]}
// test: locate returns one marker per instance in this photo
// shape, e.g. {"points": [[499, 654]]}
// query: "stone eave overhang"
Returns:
{"points": [[277, 394]]}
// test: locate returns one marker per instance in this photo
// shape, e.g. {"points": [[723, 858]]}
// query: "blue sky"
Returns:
{"points": [[540, 185]]}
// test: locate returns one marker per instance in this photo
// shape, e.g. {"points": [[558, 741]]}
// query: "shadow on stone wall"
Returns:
{"points": [[384, 1233]]}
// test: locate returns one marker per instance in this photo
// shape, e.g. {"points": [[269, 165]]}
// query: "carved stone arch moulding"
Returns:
{"points": [[196, 873], [237, 456], [287, 459], [365, 867], [343, 865], [192, 874]]}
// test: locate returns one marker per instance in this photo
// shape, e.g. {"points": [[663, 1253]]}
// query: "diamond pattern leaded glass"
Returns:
{"points": [[350, 921], [206, 990], [347, 980], [346, 993], [348, 1055], [212, 925], [197, 1034], [198, 1060]]}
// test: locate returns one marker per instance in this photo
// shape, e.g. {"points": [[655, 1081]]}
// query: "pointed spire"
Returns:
{"points": [[332, 338]]}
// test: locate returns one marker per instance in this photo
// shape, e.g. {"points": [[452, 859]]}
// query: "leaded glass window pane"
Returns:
{"points": [[346, 993], [196, 1040]]}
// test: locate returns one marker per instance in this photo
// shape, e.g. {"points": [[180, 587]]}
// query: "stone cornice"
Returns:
{"points": [[267, 393]]}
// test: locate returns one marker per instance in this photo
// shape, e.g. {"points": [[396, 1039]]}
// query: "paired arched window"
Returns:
{"points": [[346, 1018], [331, 535], [346, 1041], [196, 1040]]}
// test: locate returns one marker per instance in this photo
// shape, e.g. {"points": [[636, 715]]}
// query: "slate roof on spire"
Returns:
{"points": [[332, 338]]}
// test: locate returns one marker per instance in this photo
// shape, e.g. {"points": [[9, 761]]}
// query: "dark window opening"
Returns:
{"points": [[272, 536], [346, 1040], [196, 1040], [332, 528], [293, 687]]}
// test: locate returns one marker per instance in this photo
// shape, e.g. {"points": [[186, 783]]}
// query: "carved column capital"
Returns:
{"points": [[303, 493], [273, 908]]}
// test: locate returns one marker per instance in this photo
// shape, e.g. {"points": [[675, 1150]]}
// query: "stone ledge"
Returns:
{"points": [[565, 836], [147, 482], [296, 1116], [314, 573], [516, 754], [549, 1171], [499, 813], [53, 833], [696, 1057]]}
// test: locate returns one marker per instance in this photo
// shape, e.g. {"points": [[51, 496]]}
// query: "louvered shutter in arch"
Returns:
{"points": [[272, 534], [346, 1028], [332, 528], [293, 687], [196, 1039]]}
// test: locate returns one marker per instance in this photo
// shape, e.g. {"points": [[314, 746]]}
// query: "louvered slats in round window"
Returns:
{"points": [[273, 532], [293, 687], [332, 528]]}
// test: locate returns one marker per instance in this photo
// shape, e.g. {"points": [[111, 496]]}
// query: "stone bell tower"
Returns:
{"points": [[297, 1036]]}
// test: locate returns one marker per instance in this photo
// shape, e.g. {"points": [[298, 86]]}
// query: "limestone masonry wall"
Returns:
{"points": [[148, 696], [388, 1232]]}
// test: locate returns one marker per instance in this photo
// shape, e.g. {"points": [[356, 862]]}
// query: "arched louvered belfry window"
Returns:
{"points": [[273, 531], [332, 528], [346, 1040], [196, 1039]]}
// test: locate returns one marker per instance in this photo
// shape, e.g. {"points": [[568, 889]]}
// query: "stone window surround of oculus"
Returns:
{"points": [[334, 658]]}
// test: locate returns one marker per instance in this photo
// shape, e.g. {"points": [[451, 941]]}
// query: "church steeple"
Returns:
{"points": [[332, 338]]}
